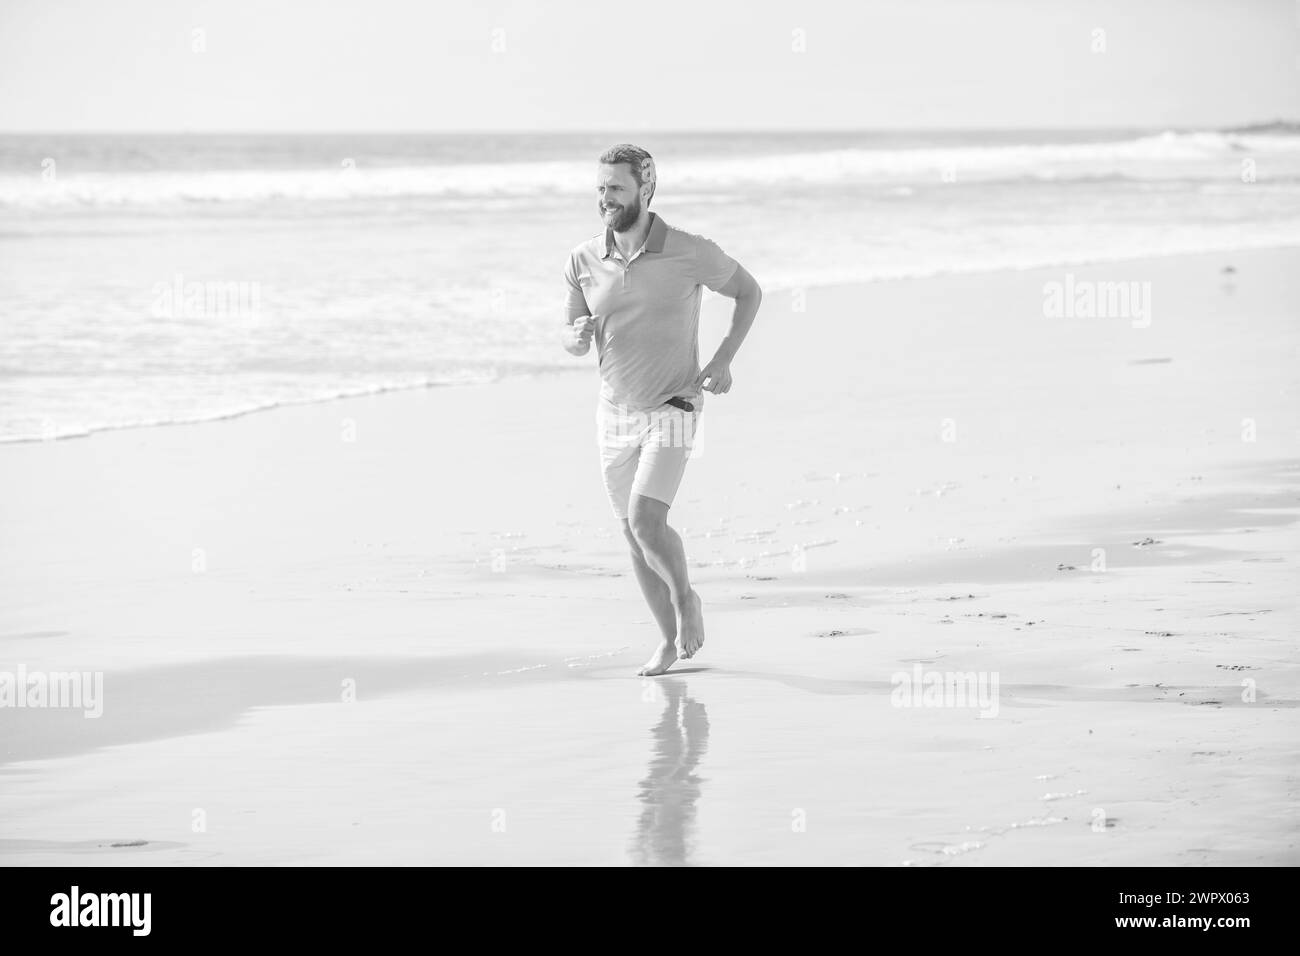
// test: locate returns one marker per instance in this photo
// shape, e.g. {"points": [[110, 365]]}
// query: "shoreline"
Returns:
{"points": [[709, 299]]}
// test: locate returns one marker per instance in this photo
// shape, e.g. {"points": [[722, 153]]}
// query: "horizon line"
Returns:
{"points": [[651, 131]]}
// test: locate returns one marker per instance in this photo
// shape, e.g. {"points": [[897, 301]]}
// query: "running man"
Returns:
{"points": [[635, 289]]}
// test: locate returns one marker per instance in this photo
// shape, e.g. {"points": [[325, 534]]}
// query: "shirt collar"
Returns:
{"points": [[654, 240]]}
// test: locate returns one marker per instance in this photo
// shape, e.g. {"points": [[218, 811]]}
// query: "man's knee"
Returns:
{"points": [[631, 538], [646, 519]]}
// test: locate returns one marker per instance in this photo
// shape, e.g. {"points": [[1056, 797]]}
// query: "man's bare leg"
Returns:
{"points": [[664, 554], [660, 600]]}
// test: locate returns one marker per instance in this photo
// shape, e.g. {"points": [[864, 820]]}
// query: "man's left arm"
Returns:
{"points": [[741, 287]]}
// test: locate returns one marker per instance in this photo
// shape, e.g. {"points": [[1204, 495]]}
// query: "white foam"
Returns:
{"points": [[1157, 157]]}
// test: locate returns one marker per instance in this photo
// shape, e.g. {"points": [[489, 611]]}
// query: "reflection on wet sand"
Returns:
{"points": [[668, 793]]}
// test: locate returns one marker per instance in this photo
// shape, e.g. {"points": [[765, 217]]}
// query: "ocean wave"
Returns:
{"points": [[1165, 155], [1282, 127], [237, 410]]}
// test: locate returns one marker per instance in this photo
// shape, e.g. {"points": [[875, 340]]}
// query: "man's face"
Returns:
{"points": [[618, 200]]}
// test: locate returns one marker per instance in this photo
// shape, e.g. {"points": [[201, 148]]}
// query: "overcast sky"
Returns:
{"points": [[677, 64]]}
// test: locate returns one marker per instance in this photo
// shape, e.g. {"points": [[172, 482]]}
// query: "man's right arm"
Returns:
{"points": [[578, 325]]}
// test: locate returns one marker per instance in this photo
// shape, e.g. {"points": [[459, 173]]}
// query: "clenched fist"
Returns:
{"points": [[584, 327], [718, 375]]}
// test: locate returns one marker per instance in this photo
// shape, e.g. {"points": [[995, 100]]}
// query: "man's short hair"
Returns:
{"points": [[640, 161]]}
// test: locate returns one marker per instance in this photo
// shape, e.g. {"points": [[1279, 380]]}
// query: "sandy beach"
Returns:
{"points": [[402, 629]]}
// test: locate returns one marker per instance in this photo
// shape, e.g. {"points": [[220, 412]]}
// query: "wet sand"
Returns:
{"points": [[403, 628]]}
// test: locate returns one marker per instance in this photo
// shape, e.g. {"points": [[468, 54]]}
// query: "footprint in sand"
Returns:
{"points": [[851, 632]]}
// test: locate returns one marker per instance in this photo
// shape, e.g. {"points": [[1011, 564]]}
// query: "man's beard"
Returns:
{"points": [[626, 217]]}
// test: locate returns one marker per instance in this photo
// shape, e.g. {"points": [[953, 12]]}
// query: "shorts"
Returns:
{"points": [[645, 452]]}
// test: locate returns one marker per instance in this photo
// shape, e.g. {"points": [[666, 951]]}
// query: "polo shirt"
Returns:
{"points": [[647, 309]]}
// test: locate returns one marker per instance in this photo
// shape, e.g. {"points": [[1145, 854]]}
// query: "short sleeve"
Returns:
{"points": [[575, 303], [713, 267]]}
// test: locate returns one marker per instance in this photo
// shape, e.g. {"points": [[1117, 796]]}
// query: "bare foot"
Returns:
{"points": [[664, 657], [690, 627]]}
